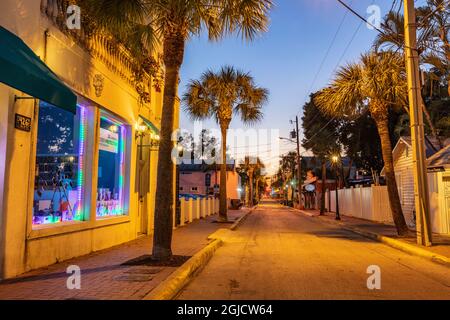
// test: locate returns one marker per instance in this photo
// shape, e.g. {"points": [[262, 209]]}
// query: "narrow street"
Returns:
{"points": [[278, 253]]}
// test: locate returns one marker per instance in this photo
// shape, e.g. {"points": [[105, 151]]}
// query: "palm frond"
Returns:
{"points": [[343, 97], [197, 101], [219, 94], [377, 77]]}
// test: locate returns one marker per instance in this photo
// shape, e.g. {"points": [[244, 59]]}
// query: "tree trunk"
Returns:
{"points": [[257, 190], [394, 199], [448, 83], [162, 237], [324, 184], [223, 177], [250, 188]]}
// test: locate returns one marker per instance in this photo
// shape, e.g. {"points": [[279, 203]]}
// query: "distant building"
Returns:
{"points": [[202, 179]]}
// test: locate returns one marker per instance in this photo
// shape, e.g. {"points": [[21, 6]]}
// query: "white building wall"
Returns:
{"points": [[405, 181]]}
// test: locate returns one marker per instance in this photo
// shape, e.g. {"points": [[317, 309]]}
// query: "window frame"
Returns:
{"points": [[125, 148], [81, 190], [90, 222]]}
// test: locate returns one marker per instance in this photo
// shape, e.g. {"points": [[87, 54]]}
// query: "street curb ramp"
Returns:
{"points": [[170, 287]]}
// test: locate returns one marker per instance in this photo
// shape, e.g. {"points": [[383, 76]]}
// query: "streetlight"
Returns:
{"points": [[335, 160]]}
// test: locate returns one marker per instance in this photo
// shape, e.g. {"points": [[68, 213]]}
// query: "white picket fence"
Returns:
{"points": [[196, 209], [370, 203]]}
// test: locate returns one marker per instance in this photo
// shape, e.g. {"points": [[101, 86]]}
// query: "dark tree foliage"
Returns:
{"points": [[320, 131], [361, 142]]}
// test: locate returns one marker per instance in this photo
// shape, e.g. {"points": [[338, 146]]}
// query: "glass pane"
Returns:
{"points": [[110, 168], [58, 178]]}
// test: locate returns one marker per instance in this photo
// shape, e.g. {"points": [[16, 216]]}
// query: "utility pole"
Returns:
{"points": [[421, 195], [299, 167]]}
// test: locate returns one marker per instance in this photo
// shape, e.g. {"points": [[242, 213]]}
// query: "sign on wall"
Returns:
{"points": [[22, 123], [109, 141]]}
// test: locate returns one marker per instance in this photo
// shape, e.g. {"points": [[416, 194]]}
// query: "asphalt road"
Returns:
{"points": [[278, 253]]}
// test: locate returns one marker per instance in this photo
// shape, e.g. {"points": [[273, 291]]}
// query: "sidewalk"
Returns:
{"points": [[441, 244], [103, 276]]}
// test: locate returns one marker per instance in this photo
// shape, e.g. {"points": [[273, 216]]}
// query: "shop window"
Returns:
{"points": [[111, 168], [58, 190]]}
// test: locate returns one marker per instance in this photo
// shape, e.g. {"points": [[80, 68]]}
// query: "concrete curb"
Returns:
{"points": [[400, 245], [170, 287], [241, 219], [394, 243]]}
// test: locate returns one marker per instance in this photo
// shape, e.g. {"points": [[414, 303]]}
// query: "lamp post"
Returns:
{"points": [[335, 160]]}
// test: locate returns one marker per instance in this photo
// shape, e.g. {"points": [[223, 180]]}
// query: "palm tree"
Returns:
{"points": [[251, 166], [433, 27], [437, 24], [377, 83], [220, 95], [174, 22]]}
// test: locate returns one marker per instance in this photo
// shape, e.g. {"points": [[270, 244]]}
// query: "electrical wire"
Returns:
{"points": [[378, 29], [326, 56]]}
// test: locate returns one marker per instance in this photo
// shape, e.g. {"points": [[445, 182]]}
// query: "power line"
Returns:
{"points": [[378, 29], [323, 128], [360, 16], [326, 55], [345, 52], [347, 47]]}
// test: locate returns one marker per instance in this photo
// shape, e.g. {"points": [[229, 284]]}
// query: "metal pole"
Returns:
{"points": [[421, 194], [299, 167], [338, 216]]}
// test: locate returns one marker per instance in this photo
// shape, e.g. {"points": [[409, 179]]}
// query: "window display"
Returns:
{"points": [[110, 168], [59, 165]]}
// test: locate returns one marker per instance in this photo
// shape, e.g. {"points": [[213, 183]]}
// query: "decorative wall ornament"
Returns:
{"points": [[98, 84]]}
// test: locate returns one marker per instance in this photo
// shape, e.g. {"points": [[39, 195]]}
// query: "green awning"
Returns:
{"points": [[150, 125], [22, 69]]}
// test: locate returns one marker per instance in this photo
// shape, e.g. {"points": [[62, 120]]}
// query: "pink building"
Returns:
{"points": [[202, 179]]}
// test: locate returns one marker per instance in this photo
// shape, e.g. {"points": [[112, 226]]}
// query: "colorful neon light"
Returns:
{"points": [[76, 213], [82, 147], [114, 207]]}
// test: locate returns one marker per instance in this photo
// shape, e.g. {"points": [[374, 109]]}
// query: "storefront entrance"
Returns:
{"points": [[143, 182], [147, 141]]}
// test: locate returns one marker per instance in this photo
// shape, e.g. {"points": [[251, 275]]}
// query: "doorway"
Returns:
{"points": [[143, 183]]}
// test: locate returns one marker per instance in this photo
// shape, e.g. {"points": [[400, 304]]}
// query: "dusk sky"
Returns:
{"points": [[287, 58]]}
